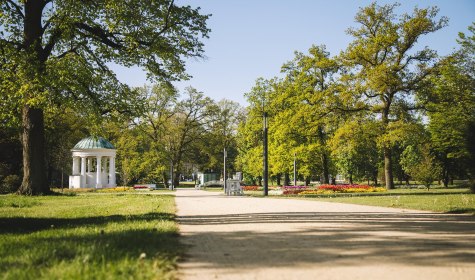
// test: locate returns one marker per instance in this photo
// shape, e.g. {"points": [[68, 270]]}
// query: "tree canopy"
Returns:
{"points": [[57, 53]]}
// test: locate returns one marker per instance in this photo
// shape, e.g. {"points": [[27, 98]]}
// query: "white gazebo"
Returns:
{"points": [[93, 164]]}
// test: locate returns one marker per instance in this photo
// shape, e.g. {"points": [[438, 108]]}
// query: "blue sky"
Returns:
{"points": [[253, 38]]}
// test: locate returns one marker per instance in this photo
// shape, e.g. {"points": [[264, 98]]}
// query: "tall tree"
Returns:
{"points": [[186, 128], [58, 52], [159, 109], [225, 116], [311, 86], [450, 100], [386, 67]]}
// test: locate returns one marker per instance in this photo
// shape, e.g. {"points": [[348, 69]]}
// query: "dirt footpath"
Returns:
{"points": [[263, 238]]}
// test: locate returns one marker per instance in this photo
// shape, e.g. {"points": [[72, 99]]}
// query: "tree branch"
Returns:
{"points": [[51, 43], [71, 50], [105, 37], [17, 8]]}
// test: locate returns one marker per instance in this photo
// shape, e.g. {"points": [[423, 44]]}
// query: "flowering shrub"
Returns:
{"points": [[329, 189], [116, 189], [250, 188], [287, 190]]}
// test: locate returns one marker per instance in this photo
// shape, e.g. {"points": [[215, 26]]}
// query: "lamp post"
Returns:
{"points": [[171, 176], [224, 169], [266, 164], [295, 169]]}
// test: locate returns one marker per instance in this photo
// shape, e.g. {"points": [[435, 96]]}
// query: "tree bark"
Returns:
{"points": [[387, 151], [286, 179], [33, 134], [278, 179], [326, 171], [388, 168], [34, 173], [446, 177], [307, 180], [324, 156]]}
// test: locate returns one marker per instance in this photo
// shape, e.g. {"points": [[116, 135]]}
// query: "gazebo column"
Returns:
{"points": [[104, 171], [89, 164], [76, 166], [83, 172], [98, 173], [112, 171]]}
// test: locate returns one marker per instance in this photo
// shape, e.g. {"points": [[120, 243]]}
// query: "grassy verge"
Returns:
{"points": [[451, 200], [445, 203], [88, 236]]}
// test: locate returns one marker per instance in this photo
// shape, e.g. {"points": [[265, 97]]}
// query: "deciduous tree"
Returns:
{"points": [[59, 52], [386, 66]]}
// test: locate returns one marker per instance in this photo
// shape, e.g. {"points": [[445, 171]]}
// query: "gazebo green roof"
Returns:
{"points": [[93, 142]]}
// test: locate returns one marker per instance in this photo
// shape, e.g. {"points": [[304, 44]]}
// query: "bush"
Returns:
{"points": [[10, 184]]}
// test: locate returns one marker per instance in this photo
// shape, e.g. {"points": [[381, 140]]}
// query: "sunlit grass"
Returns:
{"points": [[446, 200], [447, 203], [88, 236]]}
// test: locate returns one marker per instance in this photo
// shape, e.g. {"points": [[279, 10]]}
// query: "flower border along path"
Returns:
{"points": [[260, 238]]}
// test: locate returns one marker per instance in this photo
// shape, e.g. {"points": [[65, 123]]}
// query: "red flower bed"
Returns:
{"points": [[250, 188], [342, 188], [287, 190]]}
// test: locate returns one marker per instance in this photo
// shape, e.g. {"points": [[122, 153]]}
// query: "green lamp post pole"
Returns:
{"points": [[266, 164], [295, 169], [224, 171]]}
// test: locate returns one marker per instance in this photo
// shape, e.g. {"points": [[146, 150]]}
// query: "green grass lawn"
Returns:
{"points": [[88, 236], [446, 203], [445, 200]]}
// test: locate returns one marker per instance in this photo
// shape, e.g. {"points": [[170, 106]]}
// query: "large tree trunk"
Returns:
{"points": [[326, 171], [286, 179], [33, 134], [388, 168], [445, 173], [387, 151], [324, 156], [307, 180], [34, 173]]}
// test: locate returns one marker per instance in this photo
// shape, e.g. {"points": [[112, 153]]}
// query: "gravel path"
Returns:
{"points": [[263, 238]]}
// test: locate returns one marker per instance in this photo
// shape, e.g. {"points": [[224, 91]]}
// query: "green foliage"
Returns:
{"points": [[420, 164], [354, 148], [58, 54], [383, 97], [10, 184]]}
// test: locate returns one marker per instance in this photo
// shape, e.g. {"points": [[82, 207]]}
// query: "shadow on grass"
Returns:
{"points": [[334, 238], [28, 225], [134, 241]]}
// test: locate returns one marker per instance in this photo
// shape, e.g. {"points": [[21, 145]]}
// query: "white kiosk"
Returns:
{"points": [[93, 164]]}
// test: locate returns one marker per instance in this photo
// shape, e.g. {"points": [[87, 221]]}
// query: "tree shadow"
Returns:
{"points": [[331, 239], [29, 225], [82, 240]]}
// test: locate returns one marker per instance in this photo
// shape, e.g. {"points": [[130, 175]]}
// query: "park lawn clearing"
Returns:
{"points": [[443, 200], [88, 236], [437, 200]]}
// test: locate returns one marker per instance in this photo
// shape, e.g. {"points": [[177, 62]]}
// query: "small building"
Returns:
{"points": [[93, 164], [204, 178]]}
